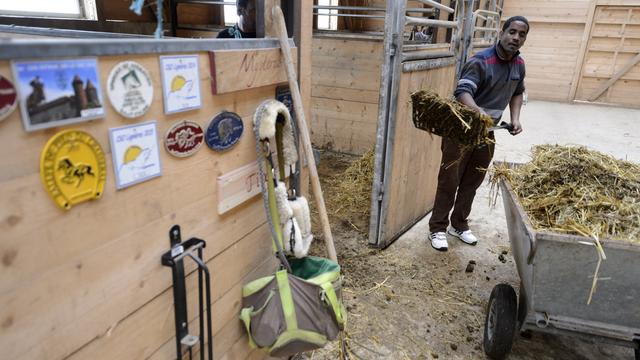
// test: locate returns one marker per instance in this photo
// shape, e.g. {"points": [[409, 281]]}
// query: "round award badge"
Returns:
{"points": [[130, 89], [8, 97], [224, 131], [184, 139], [73, 168]]}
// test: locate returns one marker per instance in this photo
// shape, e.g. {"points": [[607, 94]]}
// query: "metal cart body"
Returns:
{"points": [[556, 273]]}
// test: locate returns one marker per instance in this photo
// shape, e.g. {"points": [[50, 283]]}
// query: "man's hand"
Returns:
{"points": [[514, 106], [517, 127]]}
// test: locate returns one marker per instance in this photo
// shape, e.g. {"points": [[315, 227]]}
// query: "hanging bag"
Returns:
{"points": [[298, 308]]}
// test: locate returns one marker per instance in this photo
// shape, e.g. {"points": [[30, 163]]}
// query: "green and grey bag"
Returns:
{"points": [[298, 308], [290, 313]]}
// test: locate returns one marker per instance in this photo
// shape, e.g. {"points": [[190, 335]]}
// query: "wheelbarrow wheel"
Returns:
{"points": [[500, 323]]}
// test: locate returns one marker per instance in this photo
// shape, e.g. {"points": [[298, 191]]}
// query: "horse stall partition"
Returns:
{"points": [[87, 283], [407, 160], [410, 185]]}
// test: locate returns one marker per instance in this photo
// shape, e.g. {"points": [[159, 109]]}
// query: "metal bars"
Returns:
{"points": [[410, 20], [366, 8], [437, 6], [174, 258]]}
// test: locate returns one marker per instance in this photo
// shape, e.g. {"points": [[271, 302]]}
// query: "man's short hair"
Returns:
{"points": [[242, 3], [512, 19]]}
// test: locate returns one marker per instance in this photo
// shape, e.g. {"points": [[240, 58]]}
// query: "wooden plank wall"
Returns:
{"points": [[614, 42], [345, 86], [416, 154], [88, 283], [553, 46]]}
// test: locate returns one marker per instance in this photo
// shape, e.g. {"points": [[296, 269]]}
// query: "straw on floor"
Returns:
{"points": [[350, 198]]}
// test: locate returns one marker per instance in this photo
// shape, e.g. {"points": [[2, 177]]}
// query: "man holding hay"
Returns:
{"points": [[490, 80]]}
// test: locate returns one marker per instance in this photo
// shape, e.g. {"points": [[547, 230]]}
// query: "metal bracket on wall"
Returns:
{"points": [[174, 258]]}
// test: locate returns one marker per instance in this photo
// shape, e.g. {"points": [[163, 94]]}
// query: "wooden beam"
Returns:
{"points": [[100, 10], [142, 28], [586, 36], [615, 78], [617, 2], [620, 46], [304, 14]]}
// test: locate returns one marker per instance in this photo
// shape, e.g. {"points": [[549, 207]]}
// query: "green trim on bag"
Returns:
{"points": [[256, 285], [333, 301], [245, 316], [325, 278], [286, 298], [247, 313], [295, 335]]}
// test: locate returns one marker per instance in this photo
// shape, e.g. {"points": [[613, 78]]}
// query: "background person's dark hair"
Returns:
{"points": [[515, 18], [243, 4]]}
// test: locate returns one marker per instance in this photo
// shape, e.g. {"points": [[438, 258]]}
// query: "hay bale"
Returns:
{"points": [[574, 190], [449, 118]]}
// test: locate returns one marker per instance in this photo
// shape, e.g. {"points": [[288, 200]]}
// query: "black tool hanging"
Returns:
{"points": [[174, 258]]}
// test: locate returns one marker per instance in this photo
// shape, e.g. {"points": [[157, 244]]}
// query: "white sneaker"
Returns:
{"points": [[466, 236], [439, 241]]}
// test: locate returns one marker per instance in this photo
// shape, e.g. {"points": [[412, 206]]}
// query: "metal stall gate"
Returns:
{"points": [[407, 160]]}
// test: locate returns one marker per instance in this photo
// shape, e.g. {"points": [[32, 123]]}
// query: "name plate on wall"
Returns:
{"points": [[238, 186], [235, 70]]}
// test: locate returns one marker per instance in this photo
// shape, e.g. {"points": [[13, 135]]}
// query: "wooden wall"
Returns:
{"points": [[345, 86], [88, 283], [552, 49], [610, 70]]}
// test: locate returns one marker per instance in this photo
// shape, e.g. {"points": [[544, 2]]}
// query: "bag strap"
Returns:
{"points": [[247, 313], [331, 297], [245, 316], [286, 298], [269, 197]]}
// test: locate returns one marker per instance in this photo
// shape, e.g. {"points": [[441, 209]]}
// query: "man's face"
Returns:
{"points": [[248, 17], [512, 38]]}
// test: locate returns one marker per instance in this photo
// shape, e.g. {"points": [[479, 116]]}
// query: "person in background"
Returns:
{"points": [[490, 80], [245, 28]]}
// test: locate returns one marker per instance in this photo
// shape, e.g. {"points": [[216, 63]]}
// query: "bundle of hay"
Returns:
{"points": [[570, 189], [449, 118]]}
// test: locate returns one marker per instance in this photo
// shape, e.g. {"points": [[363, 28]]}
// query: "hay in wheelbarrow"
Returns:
{"points": [[449, 118], [574, 190]]}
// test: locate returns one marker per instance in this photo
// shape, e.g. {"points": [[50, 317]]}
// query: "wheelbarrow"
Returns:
{"points": [[556, 276]]}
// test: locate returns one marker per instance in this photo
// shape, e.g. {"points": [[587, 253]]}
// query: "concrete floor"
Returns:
{"points": [[611, 130]]}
